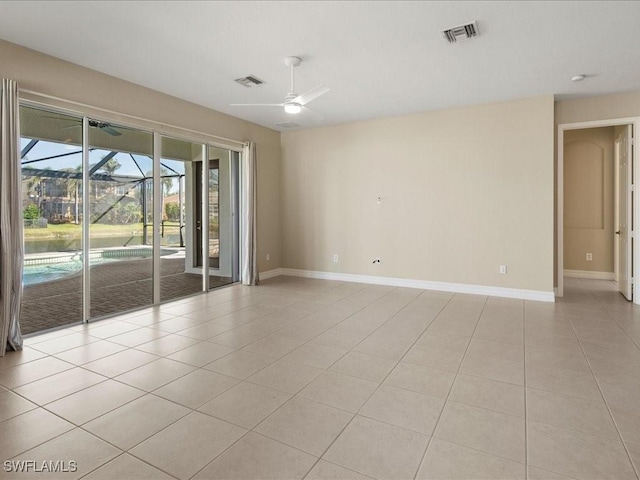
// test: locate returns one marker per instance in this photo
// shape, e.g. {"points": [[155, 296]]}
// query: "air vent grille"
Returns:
{"points": [[462, 32], [249, 81], [287, 125]]}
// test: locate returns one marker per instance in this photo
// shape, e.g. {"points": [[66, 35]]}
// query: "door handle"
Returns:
{"points": [[618, 232]]}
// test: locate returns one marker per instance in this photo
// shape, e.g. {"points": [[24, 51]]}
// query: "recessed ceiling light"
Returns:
{"points": [[578, 78]]}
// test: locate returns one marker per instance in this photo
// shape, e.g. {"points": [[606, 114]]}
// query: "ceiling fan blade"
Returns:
{"points": [[110, 130], [257, 104], [308, 110], [311, 95]]}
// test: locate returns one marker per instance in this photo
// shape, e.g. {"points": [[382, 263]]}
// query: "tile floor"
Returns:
{"points": [[316, 379]]}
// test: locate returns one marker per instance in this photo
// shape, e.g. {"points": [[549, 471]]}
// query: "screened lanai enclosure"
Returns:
{"points": [[118, 218]]}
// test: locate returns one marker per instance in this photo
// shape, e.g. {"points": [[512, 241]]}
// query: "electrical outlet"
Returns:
{"points": [[503, 269], [589, 256], [335, 258], [268, 257]]}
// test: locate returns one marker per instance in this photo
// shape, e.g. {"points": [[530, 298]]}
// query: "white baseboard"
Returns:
{"points": [[537, 295], [589, 274], [276, 272]]}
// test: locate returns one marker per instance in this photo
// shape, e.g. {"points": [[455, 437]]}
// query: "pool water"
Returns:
{"points": [[45, 273], [56, 270]]}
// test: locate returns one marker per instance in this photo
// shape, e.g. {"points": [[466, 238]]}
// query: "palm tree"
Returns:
{"points": [[73, 182], [33, 182], [110, 167], [167, 181]]}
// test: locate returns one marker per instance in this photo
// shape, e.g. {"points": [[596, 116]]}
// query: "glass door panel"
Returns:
{"points": [[120, 218], [51, 159], [181, 230], [223, 222], [214, 213]]}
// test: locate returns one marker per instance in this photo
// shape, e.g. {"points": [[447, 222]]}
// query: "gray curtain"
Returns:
{"points": [[249, 218], [11, 246]]}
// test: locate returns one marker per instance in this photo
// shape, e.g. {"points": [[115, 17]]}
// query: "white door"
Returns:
{"points": [[624, 213]]}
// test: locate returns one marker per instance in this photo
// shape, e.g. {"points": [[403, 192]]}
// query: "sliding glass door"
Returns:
{"points": [[120, 218], [224, 267], [52, 210], [99, 238], [181, 229], [222, 251]]}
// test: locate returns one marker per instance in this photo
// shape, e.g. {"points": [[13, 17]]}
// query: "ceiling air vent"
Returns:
{"points": [[249, 81], [287, 125], [462, 32]]}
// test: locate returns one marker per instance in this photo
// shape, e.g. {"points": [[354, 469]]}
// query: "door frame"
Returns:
{"points": [[616, 208], [635, 264]]}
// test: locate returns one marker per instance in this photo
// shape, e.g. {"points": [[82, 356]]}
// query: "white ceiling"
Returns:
{"points": [[378, 58]]}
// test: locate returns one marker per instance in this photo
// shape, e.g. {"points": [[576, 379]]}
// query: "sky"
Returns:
{"points": [[128, 167]]}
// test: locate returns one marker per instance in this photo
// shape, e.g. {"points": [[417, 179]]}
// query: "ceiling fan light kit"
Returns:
{"points": [[292, 107], [293, 103]]}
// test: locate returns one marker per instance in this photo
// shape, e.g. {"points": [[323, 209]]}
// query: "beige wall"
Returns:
{"points": [[603, 107], [463, 191], [51, 76], [589, 199]]}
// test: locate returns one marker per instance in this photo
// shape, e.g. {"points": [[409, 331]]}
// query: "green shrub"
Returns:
{"points": [[31, 212], [172, 211]]}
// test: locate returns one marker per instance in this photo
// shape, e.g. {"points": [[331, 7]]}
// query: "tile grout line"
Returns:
{"points": [[283, 327], [600, 389], [615, 423], [81, 426], [252, 430], [122, 454], [631, 339], [127, 451], [74, 426], [198, 341], [310, 340], [282, 357], [326, 369], [236, 349], [382, 381], [151, 393], [444, 405]]}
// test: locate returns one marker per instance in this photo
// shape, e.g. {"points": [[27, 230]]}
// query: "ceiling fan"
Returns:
{"points": [[293, 103], [104, 126]]}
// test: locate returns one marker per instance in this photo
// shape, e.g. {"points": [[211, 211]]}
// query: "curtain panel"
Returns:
{"points": [[11, 244], [249, 219]]}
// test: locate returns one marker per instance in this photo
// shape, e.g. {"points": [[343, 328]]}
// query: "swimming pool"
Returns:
{"points": [[45, 268], [33, 274]]}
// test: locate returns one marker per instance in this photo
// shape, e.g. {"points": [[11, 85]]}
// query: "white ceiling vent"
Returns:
{"points": [[461, 32], [249, 81], [287, 125]]}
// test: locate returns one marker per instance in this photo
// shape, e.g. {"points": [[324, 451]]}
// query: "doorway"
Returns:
{"points": [[596, 208]]}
